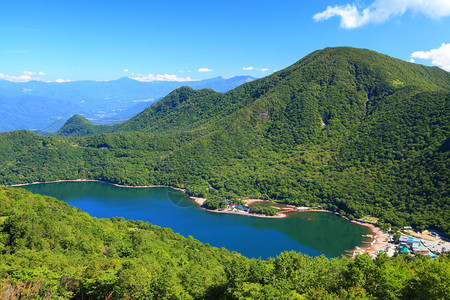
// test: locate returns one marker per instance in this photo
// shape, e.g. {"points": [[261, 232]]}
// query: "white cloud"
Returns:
{"points": [[19, 78], [165, 77], [204, 70], [125, 70], [60, 80], [382, 10], [350, 16], [25, 76], [254, 69], [439, 57], [412, 60]]}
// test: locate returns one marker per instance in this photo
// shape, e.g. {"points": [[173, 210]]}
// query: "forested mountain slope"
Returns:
{"points": [[349, 129], [50, 250], [334, 85]]}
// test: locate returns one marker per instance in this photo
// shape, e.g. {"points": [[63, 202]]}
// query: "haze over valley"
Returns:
{"points": [[45, 106]]}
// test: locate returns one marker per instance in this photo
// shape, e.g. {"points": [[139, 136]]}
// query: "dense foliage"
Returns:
{"points": [[49, 249], [259, 208], [43, 240], [348, 129], [77, 125]]}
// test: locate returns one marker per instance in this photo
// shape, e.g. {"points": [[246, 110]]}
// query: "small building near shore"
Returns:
{"points": [[402, 249], [412, 241], [420, 249], [435, 234], [403, 239]]}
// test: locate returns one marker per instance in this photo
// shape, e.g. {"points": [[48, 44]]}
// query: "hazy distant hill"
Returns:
{"points": [[349, 129], [37, 105], [31, 112]]}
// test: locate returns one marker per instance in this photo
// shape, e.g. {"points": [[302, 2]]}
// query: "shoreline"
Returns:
{"points": [[378, 240], [199, 201], [95, 180], [278, 216], [376, 244]]}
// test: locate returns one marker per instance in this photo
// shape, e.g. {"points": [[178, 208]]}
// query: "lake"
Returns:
{"points": [[312, 233]]}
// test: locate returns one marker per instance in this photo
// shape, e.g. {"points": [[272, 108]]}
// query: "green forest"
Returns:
{"points": [[50, 250], [348, 129]]}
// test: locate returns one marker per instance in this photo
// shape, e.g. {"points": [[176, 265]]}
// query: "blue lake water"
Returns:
{"points": [[312, 233]]}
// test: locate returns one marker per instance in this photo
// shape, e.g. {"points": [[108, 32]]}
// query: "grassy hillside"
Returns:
{"points": [[350, 129], [50, 250]]}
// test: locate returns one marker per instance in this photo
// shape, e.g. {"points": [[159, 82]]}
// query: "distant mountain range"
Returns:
{"points": [[46, 106]]}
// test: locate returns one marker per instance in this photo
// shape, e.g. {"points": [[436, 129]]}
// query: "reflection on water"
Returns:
{"points": [[312, 233]]}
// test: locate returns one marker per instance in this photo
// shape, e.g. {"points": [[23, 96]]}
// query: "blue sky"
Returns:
{"points": [[182, 40]]}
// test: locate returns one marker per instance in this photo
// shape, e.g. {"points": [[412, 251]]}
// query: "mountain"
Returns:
{"points": [[345, 82], [103, 102], [348, 129], [79, 126]]}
